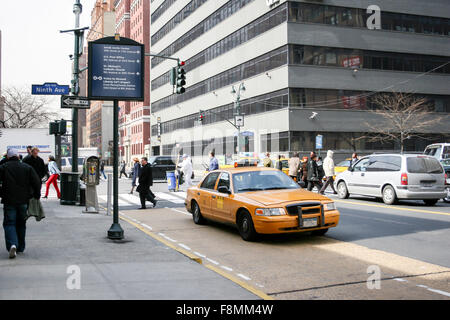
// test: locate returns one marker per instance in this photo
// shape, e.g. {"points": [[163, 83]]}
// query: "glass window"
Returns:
{"points": [[361, 165], [262, 180], [224, 180], [210, 181], [423, 165], [389, 163]]}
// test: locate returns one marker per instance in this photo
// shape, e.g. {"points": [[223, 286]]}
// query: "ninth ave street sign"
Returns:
{"points": [[70, 102]]}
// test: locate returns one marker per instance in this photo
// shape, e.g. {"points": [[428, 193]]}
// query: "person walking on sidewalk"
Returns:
{"points": [[20, 183], [313, 173], [145, 182], [294, 166], [328, 168], [123, 169], [36, 163], [213, 163], [54, 174], [136, 172], [102, 169], [186, 168]]}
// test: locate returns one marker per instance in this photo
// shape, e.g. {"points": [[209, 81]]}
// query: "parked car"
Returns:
{"points": [[394, 176], [161, 164], [440, 151], [446, 165]]}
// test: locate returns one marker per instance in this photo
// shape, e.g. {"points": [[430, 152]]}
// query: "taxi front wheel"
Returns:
{"points": [[197, 215], [246, 227]]}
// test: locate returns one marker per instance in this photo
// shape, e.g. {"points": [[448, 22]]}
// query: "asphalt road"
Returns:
{"points": [[409, 243]]}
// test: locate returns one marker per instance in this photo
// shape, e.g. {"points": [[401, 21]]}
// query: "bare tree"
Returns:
{"points": [[23, 110], [402, 116]]}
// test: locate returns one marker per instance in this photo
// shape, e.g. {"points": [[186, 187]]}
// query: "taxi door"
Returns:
{"points": [[221, 203], [207, 192]]}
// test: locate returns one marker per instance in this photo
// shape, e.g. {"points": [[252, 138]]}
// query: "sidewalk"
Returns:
{"points": [[137, 267]]}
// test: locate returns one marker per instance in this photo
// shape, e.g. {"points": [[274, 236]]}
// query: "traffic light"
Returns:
{"points": [[173, 76], [180, 78], [62, 127], [201, 116], [53, 126]]}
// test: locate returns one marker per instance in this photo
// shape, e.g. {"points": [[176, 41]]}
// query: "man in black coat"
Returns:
{"points": [[313, 174], [20, 183], [36, 163], [145, 182]]}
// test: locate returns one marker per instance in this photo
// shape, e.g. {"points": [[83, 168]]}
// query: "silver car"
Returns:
{"points": [[394, 176]]}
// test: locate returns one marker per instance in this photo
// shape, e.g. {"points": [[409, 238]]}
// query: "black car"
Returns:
{"points": [[161, 164]]}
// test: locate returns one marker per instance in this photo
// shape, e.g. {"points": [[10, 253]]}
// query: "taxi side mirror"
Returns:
{"points": [[223, 189]]}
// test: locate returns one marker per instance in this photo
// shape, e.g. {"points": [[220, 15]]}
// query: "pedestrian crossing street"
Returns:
{"points": [[132, 200]]}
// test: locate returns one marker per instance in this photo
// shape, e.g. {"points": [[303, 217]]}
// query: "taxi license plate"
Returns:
{"points": [[311, 222]]}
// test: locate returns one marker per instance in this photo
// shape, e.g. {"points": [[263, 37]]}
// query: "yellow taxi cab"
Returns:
{"points": [[242, 162], [284, 165], [343, 165], [260, 200]]}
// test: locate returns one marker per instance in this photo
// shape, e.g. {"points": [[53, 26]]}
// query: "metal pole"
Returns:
{"points": [[116, 231], [109, 183], [77, 9], [58, 150]]}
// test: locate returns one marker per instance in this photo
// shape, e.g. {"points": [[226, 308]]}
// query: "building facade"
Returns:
{"points": [[2, 110], [133, 21], [99, 129], [308, 68]]}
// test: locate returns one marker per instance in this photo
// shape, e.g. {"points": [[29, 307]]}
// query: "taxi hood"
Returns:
{"points": [[275, 197]]}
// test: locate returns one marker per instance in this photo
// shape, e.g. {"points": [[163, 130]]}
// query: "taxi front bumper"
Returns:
{"points": [[290, 223]]}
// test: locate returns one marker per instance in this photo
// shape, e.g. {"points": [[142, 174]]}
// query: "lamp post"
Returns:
{"points": [[237, 110]]}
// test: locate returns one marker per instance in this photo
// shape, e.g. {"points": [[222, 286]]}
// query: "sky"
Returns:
{"points": [[33, 49]]}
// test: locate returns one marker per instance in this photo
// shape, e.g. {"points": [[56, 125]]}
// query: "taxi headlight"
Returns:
{"points": [[329, 206], [270, 212]]}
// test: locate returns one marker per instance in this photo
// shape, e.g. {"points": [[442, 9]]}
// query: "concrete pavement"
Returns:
{"points": [[68, 243]]}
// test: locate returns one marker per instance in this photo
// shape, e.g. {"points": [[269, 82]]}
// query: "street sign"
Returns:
{"points": [[75, 102], [49, 88], [116, 70], [239, 121], [319, 141]]}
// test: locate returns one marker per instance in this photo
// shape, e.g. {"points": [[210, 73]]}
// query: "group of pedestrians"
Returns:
{"points": [[21, 180], [312, 170]]}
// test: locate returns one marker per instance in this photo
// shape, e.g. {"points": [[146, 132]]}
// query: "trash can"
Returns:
{"points": [[171, 180], [69, 188]]}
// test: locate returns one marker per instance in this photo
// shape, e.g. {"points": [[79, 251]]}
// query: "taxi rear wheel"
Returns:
{"points": [[197, 215], [246, 227]]}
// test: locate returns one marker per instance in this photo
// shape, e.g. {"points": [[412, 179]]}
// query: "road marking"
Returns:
{"points": [[147, 226], [212, 261], [180, 194], [243, 277], [199, 260], [392, 207], [226, 268], [168, 197], [199, 254], [185, 246], [243, 284], [440, 292], [183, 212], [400, 280], [170, 239]]}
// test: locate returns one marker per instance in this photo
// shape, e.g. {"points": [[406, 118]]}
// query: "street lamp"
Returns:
{"points": [[237, 110]]}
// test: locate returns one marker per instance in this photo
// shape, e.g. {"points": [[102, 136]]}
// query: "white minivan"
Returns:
{"points": [[440, 151], [394, 176]]}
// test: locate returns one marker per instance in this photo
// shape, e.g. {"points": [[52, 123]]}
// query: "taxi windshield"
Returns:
{"points": [[262, 180]]}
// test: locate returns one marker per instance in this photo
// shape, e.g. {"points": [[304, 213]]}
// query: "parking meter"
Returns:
{"points": [[92, 171], [91, 177]]}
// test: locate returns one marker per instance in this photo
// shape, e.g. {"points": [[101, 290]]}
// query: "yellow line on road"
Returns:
{"points": [[244, 285], [154, 236], [393, 207], [194, 257]]}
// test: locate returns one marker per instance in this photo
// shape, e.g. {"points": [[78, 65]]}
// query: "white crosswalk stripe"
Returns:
{"points": [[126, 199]]}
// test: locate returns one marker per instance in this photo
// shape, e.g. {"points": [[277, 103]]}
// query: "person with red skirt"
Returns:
{"points": [[54, 174]]}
